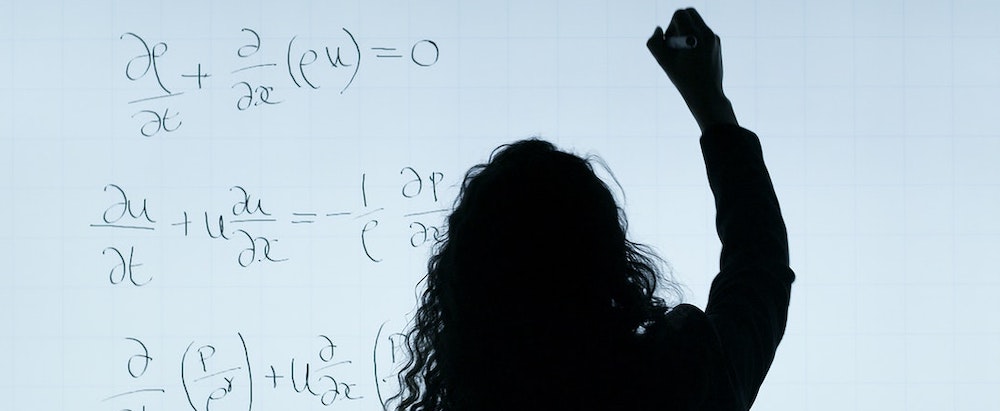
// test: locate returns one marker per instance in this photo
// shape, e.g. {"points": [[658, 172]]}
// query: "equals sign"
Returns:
{"points": [[304, 221], [381, 49]]}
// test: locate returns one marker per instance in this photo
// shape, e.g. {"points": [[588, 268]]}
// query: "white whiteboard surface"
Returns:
{"points": [[877, 120]]}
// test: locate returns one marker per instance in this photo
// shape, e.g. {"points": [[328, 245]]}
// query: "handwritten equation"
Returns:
{"points": [[131, 212], [303, 63], [219, 374]]}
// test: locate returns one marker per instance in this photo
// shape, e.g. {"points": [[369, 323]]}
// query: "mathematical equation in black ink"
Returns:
{"points": [[303, 62], [127, 211], [219, 375]]}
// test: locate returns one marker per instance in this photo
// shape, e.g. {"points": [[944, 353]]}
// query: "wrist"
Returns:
{"points": [[713, 111]]}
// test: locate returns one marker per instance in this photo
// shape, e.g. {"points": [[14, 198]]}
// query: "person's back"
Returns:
{"points": [[536, 299]]}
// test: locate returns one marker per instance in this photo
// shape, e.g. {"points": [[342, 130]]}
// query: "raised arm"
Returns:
{"points": [[749, 298]]}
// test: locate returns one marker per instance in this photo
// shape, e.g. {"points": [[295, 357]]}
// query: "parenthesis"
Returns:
{"points": [[357, 48], [378, 391], [288, 62], [183, 379], [246, 355]]}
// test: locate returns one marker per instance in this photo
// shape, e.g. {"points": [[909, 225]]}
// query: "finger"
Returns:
{"points": [[697, 20], [684, 23], [672, 29]]}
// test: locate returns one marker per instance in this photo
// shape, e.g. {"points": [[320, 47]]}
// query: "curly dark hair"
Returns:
{"points": [[534, 297]]}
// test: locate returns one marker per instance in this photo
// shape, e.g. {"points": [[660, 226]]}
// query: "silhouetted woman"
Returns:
{"points": [[536, 300]]}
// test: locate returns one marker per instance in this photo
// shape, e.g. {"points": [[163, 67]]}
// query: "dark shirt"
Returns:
{"points": [[720, 356]]}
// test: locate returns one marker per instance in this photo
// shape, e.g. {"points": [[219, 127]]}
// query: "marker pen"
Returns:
{"points": [[682, 42]]}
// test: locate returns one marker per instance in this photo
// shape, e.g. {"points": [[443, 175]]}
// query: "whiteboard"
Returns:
{"points": [[230, 205]]}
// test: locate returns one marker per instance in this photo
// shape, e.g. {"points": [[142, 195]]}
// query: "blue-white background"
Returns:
{"points": [[877, 121]]}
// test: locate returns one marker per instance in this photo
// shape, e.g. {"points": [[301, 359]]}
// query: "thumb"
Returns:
{"points": [[655, 41]]}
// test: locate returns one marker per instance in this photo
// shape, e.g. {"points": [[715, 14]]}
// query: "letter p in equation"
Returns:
{"points": [[217, 378]]}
